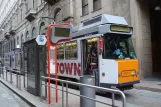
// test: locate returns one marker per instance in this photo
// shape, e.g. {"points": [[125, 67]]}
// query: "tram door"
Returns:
{"points": [[87, 58]]}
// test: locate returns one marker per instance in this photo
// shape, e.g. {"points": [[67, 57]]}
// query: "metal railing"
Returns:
{"points": [[4, 74], [64, 82]]}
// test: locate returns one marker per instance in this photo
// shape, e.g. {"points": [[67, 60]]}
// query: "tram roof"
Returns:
{"points": [[93, 24]]}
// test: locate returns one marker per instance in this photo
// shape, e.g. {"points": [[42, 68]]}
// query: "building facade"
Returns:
{"points": [[29, 18]]}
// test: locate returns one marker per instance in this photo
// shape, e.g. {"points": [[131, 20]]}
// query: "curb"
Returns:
{"points": [[30, 101], [147, 88]]}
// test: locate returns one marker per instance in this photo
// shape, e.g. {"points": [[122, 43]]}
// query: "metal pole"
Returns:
{"points": [[24, 80], [3, 73], [49, 94], [62, 94], [66, 94], [6, 75], [113, 100], [41, 89], [87, 92], [123, 99], [56, 71], [0, 72], [17, 80], [11, 77], [45, 89]]}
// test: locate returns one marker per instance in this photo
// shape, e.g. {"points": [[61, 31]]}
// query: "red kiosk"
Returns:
{"points": [[56, 33]]}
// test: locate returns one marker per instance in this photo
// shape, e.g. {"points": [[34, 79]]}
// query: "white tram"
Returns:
{"points": [[117, 64]]}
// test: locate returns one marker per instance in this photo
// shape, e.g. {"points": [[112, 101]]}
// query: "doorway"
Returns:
{"points": [[155, 23], [90, 58]]}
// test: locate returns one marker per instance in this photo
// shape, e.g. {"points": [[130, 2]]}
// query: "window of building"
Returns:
{"points": [[41, 1], [33, 3], [27, 36], [42, 29], [17, 40], [9, 46], [84, 7], [71, 50], [21, 14], [14, 43], [33, 32], [96, 4], [60, 51], [58, 16], [22, 40]]}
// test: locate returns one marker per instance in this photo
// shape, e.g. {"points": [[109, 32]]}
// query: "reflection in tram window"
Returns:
{"points": [[118, 47], [71, 50]]}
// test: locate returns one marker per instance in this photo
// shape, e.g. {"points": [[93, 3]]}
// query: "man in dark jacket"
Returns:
{"points": [[94, 64]]}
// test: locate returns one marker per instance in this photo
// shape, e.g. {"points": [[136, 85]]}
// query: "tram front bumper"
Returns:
{"points": [[122, 85]]}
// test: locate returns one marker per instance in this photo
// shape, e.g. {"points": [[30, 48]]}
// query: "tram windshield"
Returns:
{"points": [[118, 46]]}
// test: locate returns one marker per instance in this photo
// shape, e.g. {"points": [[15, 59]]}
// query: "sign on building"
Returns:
{"points": [[41, 40]]}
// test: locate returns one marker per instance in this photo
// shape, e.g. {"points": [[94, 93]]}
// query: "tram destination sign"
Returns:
{"points": [[117, 28], [59, 33]]}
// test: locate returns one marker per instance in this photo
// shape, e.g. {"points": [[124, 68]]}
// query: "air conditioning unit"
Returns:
{"points": [[7, 35], [51, 2], [30, 14]]}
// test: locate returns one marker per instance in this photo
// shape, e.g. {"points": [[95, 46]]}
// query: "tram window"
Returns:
{"points": [[118, 46], [71, 50], [60, 50]]}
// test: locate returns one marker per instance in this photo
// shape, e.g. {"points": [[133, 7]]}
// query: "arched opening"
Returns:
{"points": [[14, 42], [58, 16], [27, 36], [22, 39], [42, 30], [17, 40], [34, 32]]}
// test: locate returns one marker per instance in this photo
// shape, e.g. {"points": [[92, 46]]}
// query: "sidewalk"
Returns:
{"points": [[34, 101], [149, 84]]}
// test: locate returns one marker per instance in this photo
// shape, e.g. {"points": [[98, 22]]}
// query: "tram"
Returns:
{"points": [[116, 64]]}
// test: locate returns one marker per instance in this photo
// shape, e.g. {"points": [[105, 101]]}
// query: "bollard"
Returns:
{"points": [[11, 77], [24, 80], [17, 80], [87, 92], [40, 89], [3, 73], [0, 71]]}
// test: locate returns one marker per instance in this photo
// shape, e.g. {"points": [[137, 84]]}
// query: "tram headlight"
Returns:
{"points": [[133, 73]]}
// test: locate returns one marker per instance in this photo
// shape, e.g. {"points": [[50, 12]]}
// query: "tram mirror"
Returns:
{"points": [[100, 45], [59, 33]]}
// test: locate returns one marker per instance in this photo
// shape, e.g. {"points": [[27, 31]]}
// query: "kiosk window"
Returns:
{"points": [[71, 50], [60, 50]]}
